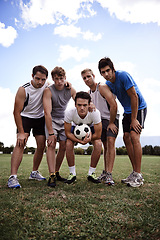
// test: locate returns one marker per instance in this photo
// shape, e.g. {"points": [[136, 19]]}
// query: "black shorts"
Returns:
{"points": [[36, 124], [126, 121], [109, 133]]}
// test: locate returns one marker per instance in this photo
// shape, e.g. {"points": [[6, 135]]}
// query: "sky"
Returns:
{"points": [[76, 34]]}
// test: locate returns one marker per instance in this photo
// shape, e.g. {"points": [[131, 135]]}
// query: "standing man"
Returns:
{"points": [[28, 114], [55, 100], [105, 102], [135, 109], [79, 115]]}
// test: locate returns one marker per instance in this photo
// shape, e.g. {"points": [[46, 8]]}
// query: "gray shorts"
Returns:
{"points": [[109, 133], [58, 128]]}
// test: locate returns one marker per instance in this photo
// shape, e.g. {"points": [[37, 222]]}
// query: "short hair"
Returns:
{"points": [[86, 70], [83, 95], [40, 69], [58, 71], [105, 62]]}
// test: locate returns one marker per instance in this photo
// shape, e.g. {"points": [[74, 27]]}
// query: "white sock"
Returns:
{"points": [[91, 170], [14, 175], [73, 170]]}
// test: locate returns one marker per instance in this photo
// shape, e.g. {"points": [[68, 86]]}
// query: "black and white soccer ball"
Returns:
{"points": [[81, 130]]}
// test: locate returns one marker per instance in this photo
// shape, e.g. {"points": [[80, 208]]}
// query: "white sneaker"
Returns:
{"points": [[36, 176], [137, 180], [128, 179], [13, 182]]}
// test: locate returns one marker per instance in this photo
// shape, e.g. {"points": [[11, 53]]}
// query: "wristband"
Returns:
{"points": [[50, 134]]}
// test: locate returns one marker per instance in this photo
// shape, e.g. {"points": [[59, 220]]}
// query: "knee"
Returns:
{"points": [[111, 141], [62, 147], [98, 144], [69, 145]]}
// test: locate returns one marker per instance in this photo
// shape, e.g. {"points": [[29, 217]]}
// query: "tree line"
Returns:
{"points": [[146, 150]]}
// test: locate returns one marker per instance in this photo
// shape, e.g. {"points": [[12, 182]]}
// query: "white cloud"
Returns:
{"points": [[7, 35], [137, 11], [73, 31], [67, 52], [38, 12]]}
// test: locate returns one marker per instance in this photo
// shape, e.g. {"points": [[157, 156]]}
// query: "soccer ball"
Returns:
{"points": [[81, 130]]}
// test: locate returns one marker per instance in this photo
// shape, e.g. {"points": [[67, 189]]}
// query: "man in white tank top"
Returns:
{"points": [[29, 114], [105, 102]]}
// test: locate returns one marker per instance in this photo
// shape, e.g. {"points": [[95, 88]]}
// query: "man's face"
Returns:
{"points": [[82, 107], [108, 74], [88, 78], [39, 79], [59, 81]]}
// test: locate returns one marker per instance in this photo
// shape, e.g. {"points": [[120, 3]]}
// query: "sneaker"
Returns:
{"points": [[102, 176], [137, 180], [128, 179], [108, 179], [59, 178], [93, 178], [71, 179], [36, 176], [13, 182], [52, 181]]}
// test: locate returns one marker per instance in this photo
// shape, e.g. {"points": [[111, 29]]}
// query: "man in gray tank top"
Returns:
{"points": [[105, 102], [55, 100]]}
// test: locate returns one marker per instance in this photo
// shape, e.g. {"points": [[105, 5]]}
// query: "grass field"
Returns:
{"points": [[83, 210]]}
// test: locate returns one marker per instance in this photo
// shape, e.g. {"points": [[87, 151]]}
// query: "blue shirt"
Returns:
{"points": [[122, 83]]}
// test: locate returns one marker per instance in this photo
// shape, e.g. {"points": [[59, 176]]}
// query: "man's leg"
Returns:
{"points": [[137, 149], [129, 146], [60, 154], [71, 161], [110, 154], [38, 155], [97, 147]]}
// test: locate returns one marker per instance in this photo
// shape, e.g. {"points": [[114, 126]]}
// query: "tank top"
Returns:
{"points": [[101, 104], [60, 99], [33, 105]]}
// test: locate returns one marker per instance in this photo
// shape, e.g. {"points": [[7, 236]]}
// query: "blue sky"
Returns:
{"points": [[76, 34]]}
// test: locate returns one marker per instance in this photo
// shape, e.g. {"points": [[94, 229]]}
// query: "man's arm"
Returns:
{"points": [[107, 94], [18, 107], [134, 107], [98, 131], [73, 93], [47, 105]]}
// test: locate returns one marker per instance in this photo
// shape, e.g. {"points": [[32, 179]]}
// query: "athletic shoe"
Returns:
{"points": [[102, 176], [71, 179], [36, 176], [13, 182], [93, 178], [59, 178], [108, 179], [137, 180], [52, 181], [128, 179]]}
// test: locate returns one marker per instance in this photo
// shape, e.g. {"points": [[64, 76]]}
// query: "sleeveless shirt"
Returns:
{"points": [[60, 99], [101, 104], [33, 105]]}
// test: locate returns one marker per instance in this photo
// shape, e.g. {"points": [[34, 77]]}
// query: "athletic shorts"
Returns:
{"points": [[58, 129], [108, 133], [126, 121], [36, 124]]}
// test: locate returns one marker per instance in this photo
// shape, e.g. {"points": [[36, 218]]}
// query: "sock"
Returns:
{"points": [[91, 170], [14, 175], [34, 171], [73, 170]]}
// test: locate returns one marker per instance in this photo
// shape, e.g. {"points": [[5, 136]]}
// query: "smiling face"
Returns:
{"points": [[108, 74], [82, 106], [38, 80]]}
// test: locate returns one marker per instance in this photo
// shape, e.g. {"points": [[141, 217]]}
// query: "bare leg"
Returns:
{"points": [[97, 147], [38, 155], [70, 153], [16, 158], [137, 151], [51, 160], [60, 154], [105, 155], [110, 154], [129, 147]]}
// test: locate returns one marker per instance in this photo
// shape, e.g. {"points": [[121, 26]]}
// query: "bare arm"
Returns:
{"points": [[134, 107], [73, 93], [107, 94], [47, 105], [18, 107], [98, 131]]}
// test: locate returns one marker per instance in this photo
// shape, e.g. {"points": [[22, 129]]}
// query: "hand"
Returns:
{"points": [[68, 85], [87, 138], [51, 141], [91, 107], [136, 126], [113, 128], [21, 140]]}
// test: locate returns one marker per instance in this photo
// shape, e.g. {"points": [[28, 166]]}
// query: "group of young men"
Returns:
{"points": [[42, 108]]}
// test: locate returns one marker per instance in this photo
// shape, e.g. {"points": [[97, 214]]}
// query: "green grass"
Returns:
{"points": [[83, 210]]}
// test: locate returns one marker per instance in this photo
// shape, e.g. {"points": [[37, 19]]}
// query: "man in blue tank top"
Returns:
{"points": [[135, 108]]}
